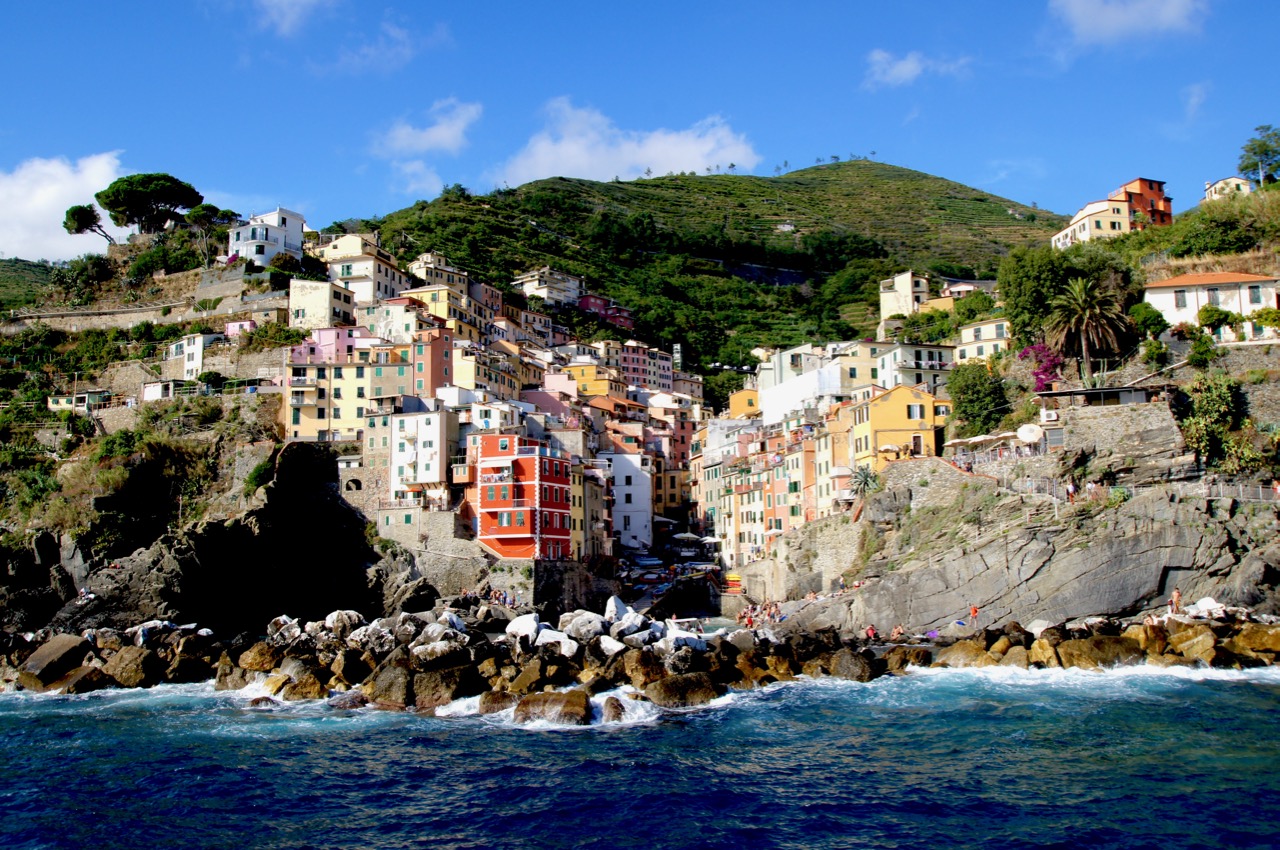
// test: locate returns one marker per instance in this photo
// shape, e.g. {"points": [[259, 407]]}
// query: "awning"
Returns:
{"points": [[888, 447], [715, 540], [959, 441]]}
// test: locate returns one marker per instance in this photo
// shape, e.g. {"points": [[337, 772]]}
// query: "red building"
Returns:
{"points": [[608, 309], [520, 497]]}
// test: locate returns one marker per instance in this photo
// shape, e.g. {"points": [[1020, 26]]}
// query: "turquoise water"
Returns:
{"points": [[1138, 758]]}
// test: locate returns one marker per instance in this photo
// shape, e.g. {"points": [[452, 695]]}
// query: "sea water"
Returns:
{"points": [[993, 758]]}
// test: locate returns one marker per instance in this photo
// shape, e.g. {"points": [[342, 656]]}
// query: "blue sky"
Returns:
{"points": [[341, 108]]}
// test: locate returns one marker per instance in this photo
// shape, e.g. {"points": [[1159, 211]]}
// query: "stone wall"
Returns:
{"points": [[932, 481], [114, 419], [809, 559]]}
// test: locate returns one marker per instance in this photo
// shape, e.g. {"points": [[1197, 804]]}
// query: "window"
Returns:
{"points": [[1180, 299], [492, 491], [259, 249], [999, 331], [916, 411], [627, 481], [875, 373], [980, 351], [360, 373], [1214, 296], [520, 519], [337, 413], [503, 444], [1255, 294], [627, 498], [504, 519], [977, 334]]}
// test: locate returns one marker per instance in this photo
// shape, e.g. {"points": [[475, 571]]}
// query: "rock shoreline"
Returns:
{"points": [[464, 648]]}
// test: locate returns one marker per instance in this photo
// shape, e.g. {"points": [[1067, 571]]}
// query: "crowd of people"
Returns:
{"points": [[760, 615]]}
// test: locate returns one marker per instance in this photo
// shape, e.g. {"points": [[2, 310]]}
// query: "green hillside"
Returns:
{"points": [[21, 281], [725, 262]]}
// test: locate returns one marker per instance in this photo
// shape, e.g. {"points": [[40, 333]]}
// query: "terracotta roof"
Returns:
{"points": [[1209, 279]]}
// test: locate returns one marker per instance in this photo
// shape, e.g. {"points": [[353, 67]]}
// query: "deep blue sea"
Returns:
{"points": [[939, 759]]}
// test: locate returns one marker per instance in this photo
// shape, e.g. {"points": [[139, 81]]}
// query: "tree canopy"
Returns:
{"points": [[148, 200], [1091, 311], [84, 218], [977, 397], [1260, 156]]}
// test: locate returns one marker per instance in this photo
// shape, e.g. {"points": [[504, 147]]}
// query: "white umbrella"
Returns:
{"points": [[711, 540], [684, 535]]}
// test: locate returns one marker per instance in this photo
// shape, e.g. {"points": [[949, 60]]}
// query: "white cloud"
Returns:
{"points": [[1111, 21], [34, 198], [415, 177], [394, 48], [1193, 97], [884, 69], [286, 16], [447, 132], [585, 143]]}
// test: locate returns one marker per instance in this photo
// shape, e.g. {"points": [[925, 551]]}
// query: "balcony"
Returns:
{"points": [[308, 381], [510, 505], [935, 365], [301, 401]]}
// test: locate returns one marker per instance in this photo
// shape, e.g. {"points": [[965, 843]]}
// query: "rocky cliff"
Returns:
{"points": [[1017, 561]]}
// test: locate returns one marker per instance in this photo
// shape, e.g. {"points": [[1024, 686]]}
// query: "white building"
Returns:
{"points": [[632, 497], [1227, 187], [191, 349], [1179, 299], [319, 304], [902, 294], [915, 364], [422, 447], [551, 286], [264, 236], [361, 264], [983, 339]]}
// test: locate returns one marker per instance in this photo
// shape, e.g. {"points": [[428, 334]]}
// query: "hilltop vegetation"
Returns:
{"points": [[21, 281], [724, 263]]}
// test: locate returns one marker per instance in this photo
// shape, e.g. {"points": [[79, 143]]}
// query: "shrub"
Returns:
{"points": [[1256, 376], [1155, 353], [262, 474], [1203, 352]]}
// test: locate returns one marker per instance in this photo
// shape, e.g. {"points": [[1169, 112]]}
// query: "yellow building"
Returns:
{"points": [[744, 404], [897, 423], [456, 309], [326, 401], [593, 379], [319, 304], [980, 340]]}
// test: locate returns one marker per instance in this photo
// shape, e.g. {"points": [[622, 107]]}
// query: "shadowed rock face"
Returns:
{"points": [[304, 552], [1122, 561]]}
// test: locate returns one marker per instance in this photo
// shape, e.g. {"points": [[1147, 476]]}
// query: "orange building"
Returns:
{"points": [[1146, 197], [520, 497]]}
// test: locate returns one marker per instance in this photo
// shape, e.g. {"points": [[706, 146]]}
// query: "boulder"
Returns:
{"points": [[613, 711], [526, 626], [56, 658], [964, 653], [262, 657], [263, 703], [898, 659], [342, 623], [531, 678], [586, 626], [610, 647], [1099, 652], [1043, 654], [1015, 657], [642, 668], [305, 685], [228, 676], [682, 691], [1257, 637], [1151, 638], [391, 684], [283, 631], [615, 609], [276, 682], [83, 680], [492, 702], [568, 647], [372, 639], [441, 653], [843, 663], [567, 708], [628, 624], [434, 688], [1196, 642], [135, 667], [1169, 660], [187, 670], [348, 700], [1000, 646]]}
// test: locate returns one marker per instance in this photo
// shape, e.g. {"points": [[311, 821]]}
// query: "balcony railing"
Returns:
{"points": [[510, 505], [302, 382], [937, 365]]}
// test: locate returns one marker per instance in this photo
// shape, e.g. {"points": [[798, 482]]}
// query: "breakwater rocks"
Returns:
{"points": [[466, 649]]}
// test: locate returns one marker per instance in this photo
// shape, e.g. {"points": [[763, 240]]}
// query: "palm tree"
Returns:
{"points": [[1091, 309]]}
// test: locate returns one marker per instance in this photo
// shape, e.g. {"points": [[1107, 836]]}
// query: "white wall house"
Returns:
{"points": [[980, 340], [1227, 187], [422, 445], [190, 349], [632, 497], [550, 285], [1179, 299], [913, 364], [264, 236], [901, 294]]}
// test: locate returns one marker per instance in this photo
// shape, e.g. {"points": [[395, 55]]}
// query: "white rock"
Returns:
{"points": [[526, 625], [372, 639], [615, 609], [314, 628], [567, 618], [1207, 607], [568, 646], [429, 651], [629, 624], [338, 619], [585, 626], [435, 632], [742, 639], [272, 628], [453, 621], [1036, 627], [611, 647]]}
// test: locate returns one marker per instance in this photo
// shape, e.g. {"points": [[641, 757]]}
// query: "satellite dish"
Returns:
{"points": [[1030, 433]]}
